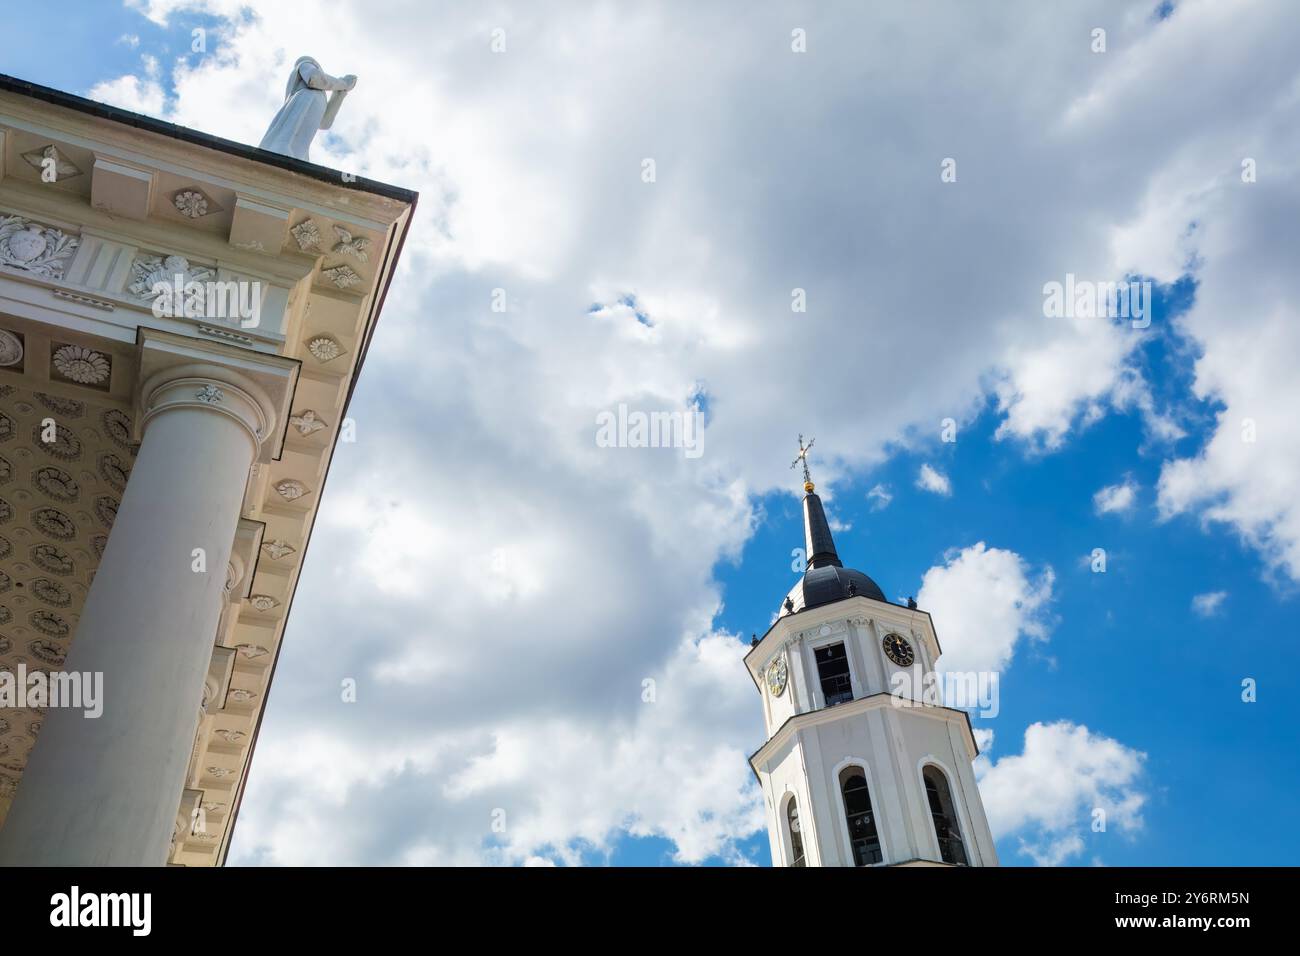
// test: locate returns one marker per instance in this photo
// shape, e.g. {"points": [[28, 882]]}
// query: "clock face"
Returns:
{"points": [[777, 672], [898, 650]]}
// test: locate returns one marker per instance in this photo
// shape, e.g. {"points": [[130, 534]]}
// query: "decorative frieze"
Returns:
{"points": [[150, 275]]}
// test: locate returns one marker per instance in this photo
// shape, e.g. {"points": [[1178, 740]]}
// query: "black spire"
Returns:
{"points": [[817, 534], [825, 578]]}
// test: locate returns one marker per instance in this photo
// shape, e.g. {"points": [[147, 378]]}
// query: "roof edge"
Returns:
{"points": [[80, 104]]}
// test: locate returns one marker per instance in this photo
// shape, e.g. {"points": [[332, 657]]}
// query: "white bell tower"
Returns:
{"points": [[861, 766]]}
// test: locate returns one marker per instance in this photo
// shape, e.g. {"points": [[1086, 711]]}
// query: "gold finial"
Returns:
{"points": [[802, 458]]}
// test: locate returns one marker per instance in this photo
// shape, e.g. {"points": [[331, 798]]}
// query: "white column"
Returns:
{"points": [[104, 791]]}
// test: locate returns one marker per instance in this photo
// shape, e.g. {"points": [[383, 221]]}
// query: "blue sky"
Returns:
{"points": [[822, 174]]}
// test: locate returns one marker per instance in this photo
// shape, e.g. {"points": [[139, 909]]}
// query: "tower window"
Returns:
{"points": [[863, 837], [944, 815], [833, 671], [796, 835]]}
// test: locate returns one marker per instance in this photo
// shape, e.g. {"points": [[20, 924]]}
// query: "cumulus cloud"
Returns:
{"points": [[1208, 604], [880, 497], [1048, 796], [1115, 499], [928, 479], [140, 94], [515, 594], [985, 600]]}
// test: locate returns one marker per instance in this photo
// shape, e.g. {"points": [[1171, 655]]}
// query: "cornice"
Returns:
{"points": [[136, 139], [855, 708]]}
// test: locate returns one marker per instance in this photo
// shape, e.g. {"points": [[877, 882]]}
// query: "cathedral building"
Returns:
{"points": [[182, 320], [862, 767]]}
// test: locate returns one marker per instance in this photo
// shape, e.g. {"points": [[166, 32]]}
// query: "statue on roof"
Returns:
{"points": [[306, 108]]}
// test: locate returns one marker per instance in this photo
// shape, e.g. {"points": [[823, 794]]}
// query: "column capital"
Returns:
{"points": [[253, 388]]}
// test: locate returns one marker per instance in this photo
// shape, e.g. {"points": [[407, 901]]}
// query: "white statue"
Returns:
{"points": [[306, 108]]}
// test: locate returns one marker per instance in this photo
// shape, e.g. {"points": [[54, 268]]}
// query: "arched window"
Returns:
{"points": [[796, 835], [863, 837], [944, 815]]}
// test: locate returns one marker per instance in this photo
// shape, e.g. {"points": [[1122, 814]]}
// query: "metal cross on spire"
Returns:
{"points": [[802, 458]]}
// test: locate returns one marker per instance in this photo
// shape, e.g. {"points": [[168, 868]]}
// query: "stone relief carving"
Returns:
{"points": [[324, 348], [81, 365], [46, 652], [191, 203], [307, 422], [291, 489], [349, 245], [118, 426], [106, 510], [148, 272], [51, 592], [307, 235], [114, 471], [55, 523], [52, 159], [47, 622], [342, 277], [56, 483], [65, 445], [47, 557], [263, 602], [252, 651], [209, 394], [278, 549], [32, 248], [11, 349], [67, 407]]}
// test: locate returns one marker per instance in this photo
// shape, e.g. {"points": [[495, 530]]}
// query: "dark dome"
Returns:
{"points": [[826, 580], [829, 583]]}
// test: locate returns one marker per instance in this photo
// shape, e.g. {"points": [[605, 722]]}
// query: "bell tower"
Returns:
{"points": [[862, 765]]}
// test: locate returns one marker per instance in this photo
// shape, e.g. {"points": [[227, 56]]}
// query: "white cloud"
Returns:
{"points": [[1047, 795], [983, 601], [880, 497], [928, 479], [1208, 604], [1115, 499], [140, 94]]}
